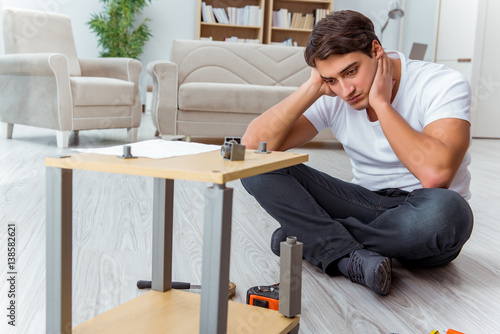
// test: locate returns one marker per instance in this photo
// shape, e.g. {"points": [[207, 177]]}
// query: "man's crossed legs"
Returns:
{"points": [[348, 229]]}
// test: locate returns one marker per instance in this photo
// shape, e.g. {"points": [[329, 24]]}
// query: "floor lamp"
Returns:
{"points": [[394, 14]]}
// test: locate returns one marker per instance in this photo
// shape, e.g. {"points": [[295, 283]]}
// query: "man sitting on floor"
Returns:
{"points": [[405, 126]]}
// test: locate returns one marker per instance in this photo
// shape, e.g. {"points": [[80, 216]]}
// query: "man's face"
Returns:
{"points": [[350, 76]]}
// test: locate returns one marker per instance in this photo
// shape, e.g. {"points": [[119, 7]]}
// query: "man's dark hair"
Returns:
{"points": [[340, 32]]}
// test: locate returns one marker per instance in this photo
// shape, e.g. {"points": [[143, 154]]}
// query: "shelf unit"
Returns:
{"points": [[219, 31], [275, 34]]}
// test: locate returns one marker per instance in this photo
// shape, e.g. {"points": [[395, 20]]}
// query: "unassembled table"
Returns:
{"points": [[162, 309]]}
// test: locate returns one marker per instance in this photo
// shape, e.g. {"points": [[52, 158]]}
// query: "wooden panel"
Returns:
{"points": [[178, 312], [205, 167]]}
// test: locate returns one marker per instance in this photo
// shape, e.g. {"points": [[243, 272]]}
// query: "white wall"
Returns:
{"points": [[420, 26], [171, 19]]}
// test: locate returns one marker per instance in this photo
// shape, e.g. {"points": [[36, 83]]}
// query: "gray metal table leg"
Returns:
{"points": [[215, 267], [163, 215], [290, 277], [58, 249]]}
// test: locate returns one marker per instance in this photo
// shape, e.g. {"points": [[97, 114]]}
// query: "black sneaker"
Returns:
{"points": [[276, 238], [371, 269]]}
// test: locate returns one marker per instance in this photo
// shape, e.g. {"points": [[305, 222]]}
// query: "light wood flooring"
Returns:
{"points": [[112, 245]]}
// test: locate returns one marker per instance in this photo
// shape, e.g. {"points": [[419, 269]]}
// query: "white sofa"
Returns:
{"points": [[214, 89]]}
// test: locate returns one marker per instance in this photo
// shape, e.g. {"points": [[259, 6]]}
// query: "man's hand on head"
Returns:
{"points": [[383, 83], [318, 81]]}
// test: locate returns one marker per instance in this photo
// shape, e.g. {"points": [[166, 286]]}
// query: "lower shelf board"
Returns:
{"points": [[177, 311]]}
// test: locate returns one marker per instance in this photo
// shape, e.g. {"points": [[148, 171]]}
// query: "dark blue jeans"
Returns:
{"points": [[331, 217]]}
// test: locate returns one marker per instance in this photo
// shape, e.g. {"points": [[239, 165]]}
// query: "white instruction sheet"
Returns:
{"points": [[154, 149]]}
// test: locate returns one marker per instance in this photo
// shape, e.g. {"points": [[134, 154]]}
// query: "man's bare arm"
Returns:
{"points": [[284, 126], [433, 155]]}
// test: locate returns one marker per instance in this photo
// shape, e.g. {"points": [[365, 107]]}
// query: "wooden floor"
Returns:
{"points": [[112, 246]]}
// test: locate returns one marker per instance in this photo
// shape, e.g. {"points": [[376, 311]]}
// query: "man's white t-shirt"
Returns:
{"points": [[427, 92]]}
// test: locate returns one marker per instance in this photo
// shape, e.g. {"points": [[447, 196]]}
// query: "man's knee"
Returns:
{"points": [[250, 183], [452, 209], [258, 183], [446, 213]]}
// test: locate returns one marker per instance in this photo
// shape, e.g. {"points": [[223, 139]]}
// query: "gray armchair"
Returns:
{"points": [[44, 84]]}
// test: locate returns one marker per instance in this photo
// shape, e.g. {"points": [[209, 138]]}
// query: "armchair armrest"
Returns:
{"points": [[164, 102], [31, 85], [127, 69], [33, 64]]}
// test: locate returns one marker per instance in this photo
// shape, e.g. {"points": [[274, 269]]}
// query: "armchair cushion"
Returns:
{"points": [[94, 91]]}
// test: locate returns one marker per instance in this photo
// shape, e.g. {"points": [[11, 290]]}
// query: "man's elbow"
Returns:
{"points": [[251, 142], [437, 179]]}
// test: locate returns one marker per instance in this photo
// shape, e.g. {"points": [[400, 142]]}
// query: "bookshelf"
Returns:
{"points": [[247, 22], [293, 28]]}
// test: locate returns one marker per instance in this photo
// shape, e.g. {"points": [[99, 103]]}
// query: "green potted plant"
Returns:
{"points": [[115, 27]]}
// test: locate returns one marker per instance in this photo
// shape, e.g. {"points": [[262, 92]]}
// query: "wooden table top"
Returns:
{"points": [[204, 167]]}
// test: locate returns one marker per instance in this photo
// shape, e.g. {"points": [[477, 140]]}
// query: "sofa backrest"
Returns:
{"points": [[239, 63], [30, 31]]}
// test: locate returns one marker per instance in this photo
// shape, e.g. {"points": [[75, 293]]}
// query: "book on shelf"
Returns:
{"points": [[284, 19], [309, 21], [246, 16], [234, 39], [286, 42], [207, 13], [221, 16], [281, 18], [320, 13]]}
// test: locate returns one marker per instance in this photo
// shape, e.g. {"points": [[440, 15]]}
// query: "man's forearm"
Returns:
{"points": [[274, 125], [433, 155]]}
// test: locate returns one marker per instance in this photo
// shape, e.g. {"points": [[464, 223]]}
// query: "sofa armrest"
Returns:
{"points": [[31, 85], [164, 102], [127, 69]]}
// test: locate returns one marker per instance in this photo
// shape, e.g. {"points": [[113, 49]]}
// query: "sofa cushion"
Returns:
{"points": [[241, 63], [222, 97], [94, 91]]}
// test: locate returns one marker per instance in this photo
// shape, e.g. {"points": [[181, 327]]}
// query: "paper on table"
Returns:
{"points": [[155, 149]]}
